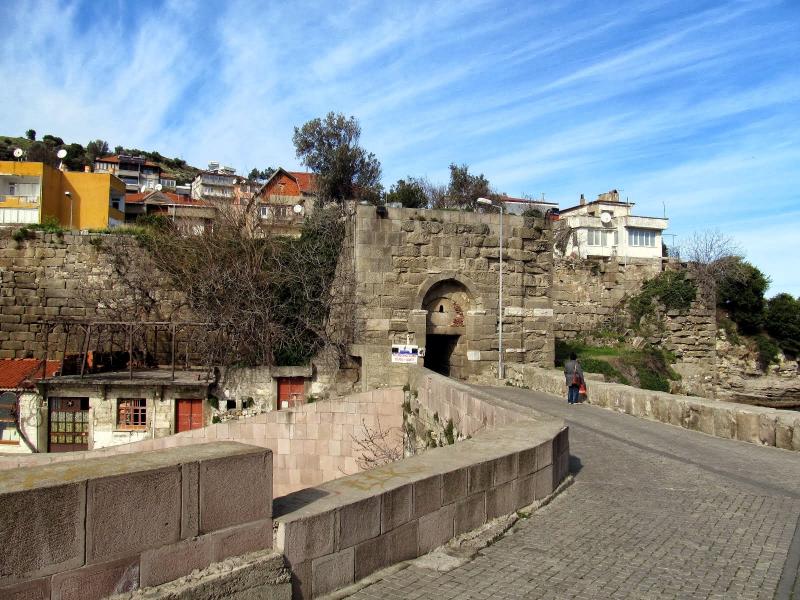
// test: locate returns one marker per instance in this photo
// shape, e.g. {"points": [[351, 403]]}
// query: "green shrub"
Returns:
{"points": [[449, 432], [741, 294], [670, 288], [593, 365], [767, 351], [782, 322]]}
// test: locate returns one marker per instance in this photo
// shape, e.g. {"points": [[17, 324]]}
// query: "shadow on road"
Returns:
{"points": [[575, 464]]}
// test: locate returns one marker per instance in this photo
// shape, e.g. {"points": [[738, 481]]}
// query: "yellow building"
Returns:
{"points": [[30, 192]]}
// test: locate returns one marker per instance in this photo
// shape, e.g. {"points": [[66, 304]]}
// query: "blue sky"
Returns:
{"points": [[692, 107]]}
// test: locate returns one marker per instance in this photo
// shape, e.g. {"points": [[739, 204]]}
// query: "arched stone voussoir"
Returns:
{"points": [[433, 280]]}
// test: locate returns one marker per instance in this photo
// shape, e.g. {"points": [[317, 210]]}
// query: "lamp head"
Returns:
{"points": [[484, 201]]}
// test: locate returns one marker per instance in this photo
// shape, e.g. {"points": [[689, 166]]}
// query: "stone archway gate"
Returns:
{"points": [[404, 257]]}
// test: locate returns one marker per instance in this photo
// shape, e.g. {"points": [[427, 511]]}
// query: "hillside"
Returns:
{"points": [[45, 149]]}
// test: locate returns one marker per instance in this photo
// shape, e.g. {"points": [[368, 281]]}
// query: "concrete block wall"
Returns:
{"points": [[341, 531], [754, 424], [89, 529], [310, 445]]}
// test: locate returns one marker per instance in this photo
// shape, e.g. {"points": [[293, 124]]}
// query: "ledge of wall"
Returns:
{"points": [[87, 529], [341, 531], [754, 424]]}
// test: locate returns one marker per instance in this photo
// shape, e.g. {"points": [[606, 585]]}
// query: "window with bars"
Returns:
{"points": [[131, 413], [642, 237]]}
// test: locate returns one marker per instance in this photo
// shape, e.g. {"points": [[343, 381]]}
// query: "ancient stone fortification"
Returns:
{"points": [[588, 295], [72, 276], [430, 278]]}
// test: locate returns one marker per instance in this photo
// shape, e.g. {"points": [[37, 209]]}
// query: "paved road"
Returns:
{"points": [[655, 512]]}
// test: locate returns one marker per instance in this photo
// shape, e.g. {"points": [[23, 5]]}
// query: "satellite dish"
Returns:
{"points": [[61, 153], [18, 152], [605, 218], [159, 187], [298, 209]]}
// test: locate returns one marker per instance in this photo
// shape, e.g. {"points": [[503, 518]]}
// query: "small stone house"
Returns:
{"points": [[20, 402]]}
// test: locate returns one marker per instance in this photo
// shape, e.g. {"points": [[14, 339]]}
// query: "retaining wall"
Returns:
{"points": [[341, 531], [312, 444], [87, 529], [754, 424]]}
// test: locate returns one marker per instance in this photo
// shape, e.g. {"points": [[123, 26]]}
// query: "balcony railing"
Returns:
{"points": [[24, 201]]}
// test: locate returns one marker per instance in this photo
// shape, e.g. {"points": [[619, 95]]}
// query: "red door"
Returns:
{"points": [[189, 414], [291, 391]]}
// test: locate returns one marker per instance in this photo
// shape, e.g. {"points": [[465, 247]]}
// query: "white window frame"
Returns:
{"points": [[641, 238]]}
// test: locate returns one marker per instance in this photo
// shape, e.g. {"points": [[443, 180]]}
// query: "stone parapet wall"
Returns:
{"points": [[753, 424], [310, 445], [88, 529], [342, 531]]}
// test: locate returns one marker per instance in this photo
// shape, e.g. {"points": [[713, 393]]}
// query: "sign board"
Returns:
{"points": [[405, 353], [542, 312]]}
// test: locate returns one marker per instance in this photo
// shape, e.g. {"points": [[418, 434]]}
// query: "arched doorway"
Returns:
{"points": [[446, 303]]}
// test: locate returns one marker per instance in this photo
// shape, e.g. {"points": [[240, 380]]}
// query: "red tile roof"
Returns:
{"points": [[115, 159], [305, 181], [16, 373], [172, 198]]}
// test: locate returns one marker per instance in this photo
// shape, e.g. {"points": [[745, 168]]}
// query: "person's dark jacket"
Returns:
{"points": [[570, 368]]}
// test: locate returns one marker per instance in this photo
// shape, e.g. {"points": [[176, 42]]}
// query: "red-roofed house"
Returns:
{"points": [[22, 403], [285, 198], [187, 213]]}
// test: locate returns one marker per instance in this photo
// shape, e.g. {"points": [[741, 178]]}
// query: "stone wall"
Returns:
{"points": [[588, 295], [754, 424], [88, 529], [316, 443], [72, 276], [342, 531], [423, 273]]}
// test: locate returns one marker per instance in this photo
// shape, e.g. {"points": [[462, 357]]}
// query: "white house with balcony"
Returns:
{"points": [[606, 228]]}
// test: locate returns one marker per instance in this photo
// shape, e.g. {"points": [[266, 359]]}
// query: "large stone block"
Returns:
{"points": [[120, 510], [543, 483], [396, 507], [334, 571], [190, 500], [436, 528], [377, 553], [308, 538], [37, 589], [97, 581], [470, 513], [766, 429], [747, 427], [242, 539], [32, 546], [169, 562], [500, 500], [505, 468], [481, 476], [250, 475], [427, 495], [358, 521], [724, 423], [524, 491], [454, 485]]}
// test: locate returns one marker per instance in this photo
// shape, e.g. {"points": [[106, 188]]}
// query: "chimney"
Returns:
{"points": [[583, 200]]}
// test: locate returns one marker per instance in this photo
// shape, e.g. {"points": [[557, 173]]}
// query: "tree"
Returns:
{"points": [[119, 150], [31, 134], [740, 291], [782, 322], [464, 189], [95, 149], [256, 175], [76, 157], [43, 153], [330, 148], [53, 140], [410, 193], [712, 256]]}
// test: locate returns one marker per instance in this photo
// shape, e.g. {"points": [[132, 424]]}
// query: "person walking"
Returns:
{"points": [[573, 374]]}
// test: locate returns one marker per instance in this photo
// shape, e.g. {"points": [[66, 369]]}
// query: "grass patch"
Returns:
{"points": [[594, 365]]}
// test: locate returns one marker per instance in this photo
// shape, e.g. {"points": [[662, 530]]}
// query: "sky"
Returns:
{"points": [[687, 108]]}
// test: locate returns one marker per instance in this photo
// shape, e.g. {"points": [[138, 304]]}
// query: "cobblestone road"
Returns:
{"points": [[655, 512]]}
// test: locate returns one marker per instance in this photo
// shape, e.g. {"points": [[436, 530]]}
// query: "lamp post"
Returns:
{"points": [[69, 196], [500, 366]]}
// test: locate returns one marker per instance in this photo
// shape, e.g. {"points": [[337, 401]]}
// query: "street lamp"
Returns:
{"points": [[500, 369], [69, 196]]}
